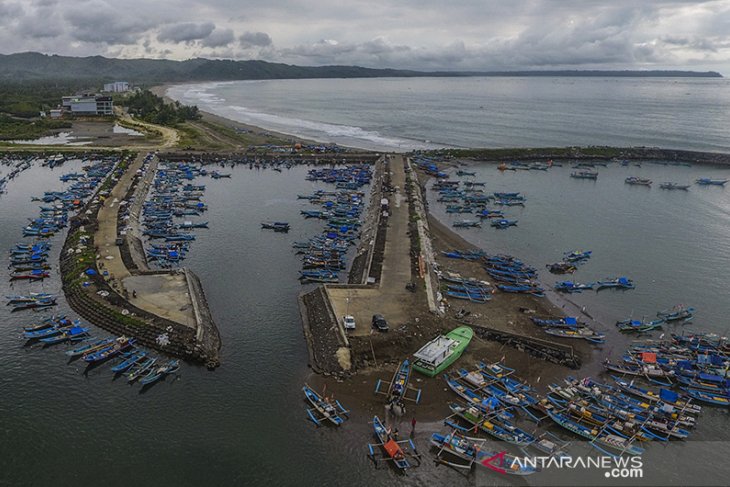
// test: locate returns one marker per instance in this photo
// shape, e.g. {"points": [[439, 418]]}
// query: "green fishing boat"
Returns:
{"points": [[435, 356]]}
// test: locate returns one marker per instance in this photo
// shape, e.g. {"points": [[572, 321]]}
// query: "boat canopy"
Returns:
{"points": [[571, 320], [436, 351]]}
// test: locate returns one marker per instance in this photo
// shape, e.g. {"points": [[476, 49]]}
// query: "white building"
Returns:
{"points": [[88, 104], [116, 87]]}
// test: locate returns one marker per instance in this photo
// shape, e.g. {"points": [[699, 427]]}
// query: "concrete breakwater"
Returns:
{"points": [[103, 296]]}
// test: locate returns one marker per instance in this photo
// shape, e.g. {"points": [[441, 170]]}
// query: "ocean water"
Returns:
{"points": [[401, 114]]}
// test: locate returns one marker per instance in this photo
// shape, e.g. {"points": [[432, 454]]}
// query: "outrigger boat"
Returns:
{"points": [[638, 326], [493, 424], [75, 333], [619, 282], [329, 409], [276, 226], [472, 450], [90, 347], [393, 448], [115, 348], [398, 387], [573, 287], [584, 333], [128, 362], [636, 181]]}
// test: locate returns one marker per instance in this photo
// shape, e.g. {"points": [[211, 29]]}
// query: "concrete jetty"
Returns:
{"points": [[165, 310]]}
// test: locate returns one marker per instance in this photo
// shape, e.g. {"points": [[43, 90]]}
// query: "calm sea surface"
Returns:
{"points": [[400, 114], [244, 424]]}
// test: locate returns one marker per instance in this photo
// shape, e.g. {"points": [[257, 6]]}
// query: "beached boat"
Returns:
{"points": [[398, 386], [493, 424], [472, 450], [438, 354], [584, 333], [398, 452], [324, 408]]}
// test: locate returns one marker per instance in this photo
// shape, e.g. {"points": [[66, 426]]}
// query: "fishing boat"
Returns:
{"points": [[503, 223], [472, 450], [600, 437], [493, 424], [324, 408], [670, 185], [132, 359], [398, 386], [89, 347], [584, 333], [276, 226], [159, 373], [557, 321], [618, 283], [711, 182], [29, 298], [461, 172], [584, 175], [664, 396], [562, 267], [677, 313], [638, 326], [636, 181], [572, 287], [578, 255], [398, 452], [438, 354], [141, 368], [648, 370], [115, 348], [74, 333], [56, 329], [466, 224], [712, 398]]}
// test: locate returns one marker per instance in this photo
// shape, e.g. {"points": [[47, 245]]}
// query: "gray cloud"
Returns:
{"points": [[219, 38], [413, 34], [185, 32], [254, 39]]}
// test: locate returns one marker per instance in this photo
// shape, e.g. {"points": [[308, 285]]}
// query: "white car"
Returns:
{"points": [[348, 321]]}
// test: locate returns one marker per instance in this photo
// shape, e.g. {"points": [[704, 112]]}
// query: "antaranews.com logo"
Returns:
{"points": [[613, 467]]}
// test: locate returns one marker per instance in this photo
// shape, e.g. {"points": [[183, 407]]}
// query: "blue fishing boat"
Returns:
{"points": [[159, 373], [572, 287], [89, 347], [132, 359], [617, 283], [394, 450], [115, 348], [638, 326], [713, 398], [503, 223], [74, 333], [677, 313], [324, 408], [141, 368], [557, 322], [399, 386], [711, 182]]}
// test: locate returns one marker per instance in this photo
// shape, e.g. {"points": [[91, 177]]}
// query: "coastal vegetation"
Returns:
{"points": [[20, 129], [153, 109]]}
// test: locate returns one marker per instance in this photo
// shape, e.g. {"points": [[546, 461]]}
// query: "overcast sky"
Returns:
{"points": [[415, 34]]}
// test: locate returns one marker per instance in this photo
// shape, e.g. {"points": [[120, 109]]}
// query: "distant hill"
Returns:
{"points": [[33, 66]]}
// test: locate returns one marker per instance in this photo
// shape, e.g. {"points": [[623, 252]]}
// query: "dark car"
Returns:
{"points": [[380, 323]]}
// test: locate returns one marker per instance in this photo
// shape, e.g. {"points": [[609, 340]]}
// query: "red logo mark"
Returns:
{"points": [[487, 462]]}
